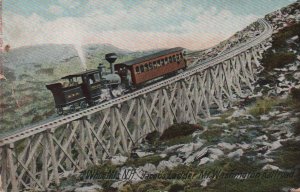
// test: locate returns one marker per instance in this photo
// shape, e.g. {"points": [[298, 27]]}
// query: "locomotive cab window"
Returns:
{"points": [[73, 82], [93, 78], [97, 77]]}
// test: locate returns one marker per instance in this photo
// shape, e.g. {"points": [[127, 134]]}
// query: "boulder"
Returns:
{"points": [[244, 146], [93, 188], [173, 148], [228, 146], [216, 151], [118, 184], [166, 164], [201, 153], [197, 155], [275, 145], [205, 182], [262, 138], [204, 160], [118, 160], [236, 154], [237, 113], [264, 117], [149, 168], [143, 154], [271, 167], [188, 149]]}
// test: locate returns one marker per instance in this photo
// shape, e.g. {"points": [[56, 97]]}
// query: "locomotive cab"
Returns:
{"points": [[91, 84], [76, 90]]}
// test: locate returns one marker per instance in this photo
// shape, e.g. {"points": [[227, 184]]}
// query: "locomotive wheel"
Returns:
{"points": [[59, 111], [72, 109], [83, 104]]}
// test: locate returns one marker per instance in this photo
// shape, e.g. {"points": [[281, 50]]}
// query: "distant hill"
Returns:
{"points": [[53, 54]]}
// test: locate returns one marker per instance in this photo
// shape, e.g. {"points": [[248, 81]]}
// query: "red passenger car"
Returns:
{"points": [[152, 66]]}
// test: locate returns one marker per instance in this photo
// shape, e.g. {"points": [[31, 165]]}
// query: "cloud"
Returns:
{"points": [[147, 25], [69, 3], [56, 10]]}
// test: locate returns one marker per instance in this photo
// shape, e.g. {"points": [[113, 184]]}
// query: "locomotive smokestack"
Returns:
{"points": [[111, 58]]}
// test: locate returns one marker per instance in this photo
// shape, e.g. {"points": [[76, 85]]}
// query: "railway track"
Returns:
{"points": [[28, 131]]}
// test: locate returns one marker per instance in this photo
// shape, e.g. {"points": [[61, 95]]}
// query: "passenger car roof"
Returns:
{"points": [[151, 56], [87, 72]]}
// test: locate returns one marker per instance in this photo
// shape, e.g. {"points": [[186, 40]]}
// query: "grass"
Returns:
{"points": [[212, 135], [251, 185], [178, 140], [153, 159], [193, 181], [263, 106], [288, 155], [152, 185]]}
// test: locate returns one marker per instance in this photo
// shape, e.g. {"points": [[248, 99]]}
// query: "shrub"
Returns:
{"points": [[178, 130], [280, 38], [297, 128], [295, 94], [277, 60]]}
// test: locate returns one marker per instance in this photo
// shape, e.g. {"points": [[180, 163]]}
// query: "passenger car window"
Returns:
{"points": [[162, 62], [150, 66], [142, 68], [158, 63], [137, 69], [154, 64], [166, 61], [146, 67]]}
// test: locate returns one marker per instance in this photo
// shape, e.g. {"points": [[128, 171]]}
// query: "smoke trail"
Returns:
{"points": [[81, 55]]}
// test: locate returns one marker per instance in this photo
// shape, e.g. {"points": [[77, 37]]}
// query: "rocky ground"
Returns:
{"points": [[262, 137]]}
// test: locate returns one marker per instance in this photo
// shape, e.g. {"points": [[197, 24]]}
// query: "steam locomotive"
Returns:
{"points": [[85, 89]]}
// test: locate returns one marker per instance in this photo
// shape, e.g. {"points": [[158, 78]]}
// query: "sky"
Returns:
{"points": [[129, 24]]}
